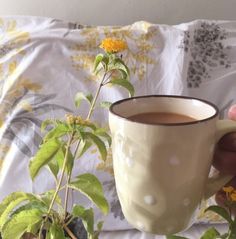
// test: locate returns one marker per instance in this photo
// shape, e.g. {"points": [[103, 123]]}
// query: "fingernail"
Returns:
{"points": [[232, 112]]}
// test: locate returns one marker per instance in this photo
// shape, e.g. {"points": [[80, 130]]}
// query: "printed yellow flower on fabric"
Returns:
{"points": [[112, 45]]}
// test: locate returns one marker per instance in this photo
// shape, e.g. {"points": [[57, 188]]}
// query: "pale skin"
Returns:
{"points": [[225, 156]]}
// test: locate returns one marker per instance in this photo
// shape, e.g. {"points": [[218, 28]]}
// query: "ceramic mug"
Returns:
{"points": [[162, 170]]}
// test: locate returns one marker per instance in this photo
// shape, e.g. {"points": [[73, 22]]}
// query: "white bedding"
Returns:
{"points": [[44, 62], [195, 232]]}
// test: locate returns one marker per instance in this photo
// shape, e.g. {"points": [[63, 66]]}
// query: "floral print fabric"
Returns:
{"points": [[44, 62]]}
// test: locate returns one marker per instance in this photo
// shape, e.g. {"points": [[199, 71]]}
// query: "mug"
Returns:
{"points": [[162, 169]]}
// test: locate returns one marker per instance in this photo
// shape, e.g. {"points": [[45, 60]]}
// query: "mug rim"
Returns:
{"points": [[111, 110]]}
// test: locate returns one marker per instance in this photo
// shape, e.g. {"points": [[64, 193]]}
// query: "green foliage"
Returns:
{"points": [[211, 233], [22, 222], [91, 187], [63, 142], [45, 153], [80, 96], [124, 83]]}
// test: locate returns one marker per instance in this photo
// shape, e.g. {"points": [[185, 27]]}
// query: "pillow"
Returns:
{"points": [[44, 62]]}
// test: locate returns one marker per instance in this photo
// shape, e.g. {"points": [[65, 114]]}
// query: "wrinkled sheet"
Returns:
{"points": [[44, 62]]}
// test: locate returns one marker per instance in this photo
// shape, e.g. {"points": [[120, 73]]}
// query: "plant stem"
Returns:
{"points": [[60, 181], [69, 232], [95, 97], [77, 146]]}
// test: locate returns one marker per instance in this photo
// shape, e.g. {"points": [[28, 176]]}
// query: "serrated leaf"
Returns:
{"points": [[47, 198], [58, 131], [83, 147], [88, 221], [211, 233], [11, 202], [54, 167], [175, 237], [60, 157], [99, 58], [105, 104], [121, 65], [220, 211], [86, 215], [125, 84], [99, 143], [31, 205], [102, 133], [90, 186], [81, 96], [45, 153], [78, 210], [55, 232], [12, 197], [21, 223]]}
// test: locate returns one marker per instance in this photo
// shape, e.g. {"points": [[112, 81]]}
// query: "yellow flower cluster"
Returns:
{"points": [[72, 119], [111, 45], [230, 193]]}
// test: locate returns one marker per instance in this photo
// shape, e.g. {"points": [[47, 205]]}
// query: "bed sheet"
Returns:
{"points": [[195, 232], [44, 62]]}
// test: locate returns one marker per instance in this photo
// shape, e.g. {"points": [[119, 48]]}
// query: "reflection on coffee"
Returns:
{"points": [[161, 118]]}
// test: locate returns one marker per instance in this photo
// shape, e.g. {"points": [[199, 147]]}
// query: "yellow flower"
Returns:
{"points": [[112, 45], [228, 189], [233, 196]]}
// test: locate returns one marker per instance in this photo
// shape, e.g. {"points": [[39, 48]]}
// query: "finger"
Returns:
{"points": [[232, 112], [225, 161], [228, 142]]}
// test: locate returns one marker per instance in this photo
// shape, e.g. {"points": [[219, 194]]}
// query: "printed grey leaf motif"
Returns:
{"points": [[114, 202], [28, 121], [207, 51]]}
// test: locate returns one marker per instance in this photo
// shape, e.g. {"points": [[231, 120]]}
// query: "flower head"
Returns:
{"points": [[73, 119], [228, 189], [112, 45], [233, 196]]}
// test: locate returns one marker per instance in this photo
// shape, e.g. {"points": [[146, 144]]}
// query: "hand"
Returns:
{"points": [[225, 157]]}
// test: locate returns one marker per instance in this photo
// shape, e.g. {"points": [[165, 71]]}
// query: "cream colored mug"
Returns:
{"points": [[162, 170]]}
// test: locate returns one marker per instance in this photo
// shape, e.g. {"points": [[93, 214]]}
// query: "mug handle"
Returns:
{"points": [[216, 182]]}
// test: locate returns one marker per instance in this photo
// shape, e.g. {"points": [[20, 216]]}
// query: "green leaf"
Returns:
{"points": [[45, 153], [47, 122], [59, 130], [60, 157], [88, 221], [12, 197], [97, 61], [78, 210], [21, 223], [86, 215], [11, 202], [32, 205], [119, 63], [83, 147], [220, 211], [105, 104], [54, 167], [55, 232], [124, 83], [175, 237], [232, 227], [90, 186], [99, 143], [103, 133], [48, 196], [81, 96], [211, 233]]}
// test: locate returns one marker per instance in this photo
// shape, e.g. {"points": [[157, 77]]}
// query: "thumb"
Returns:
{"points": [[232, 112]]}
